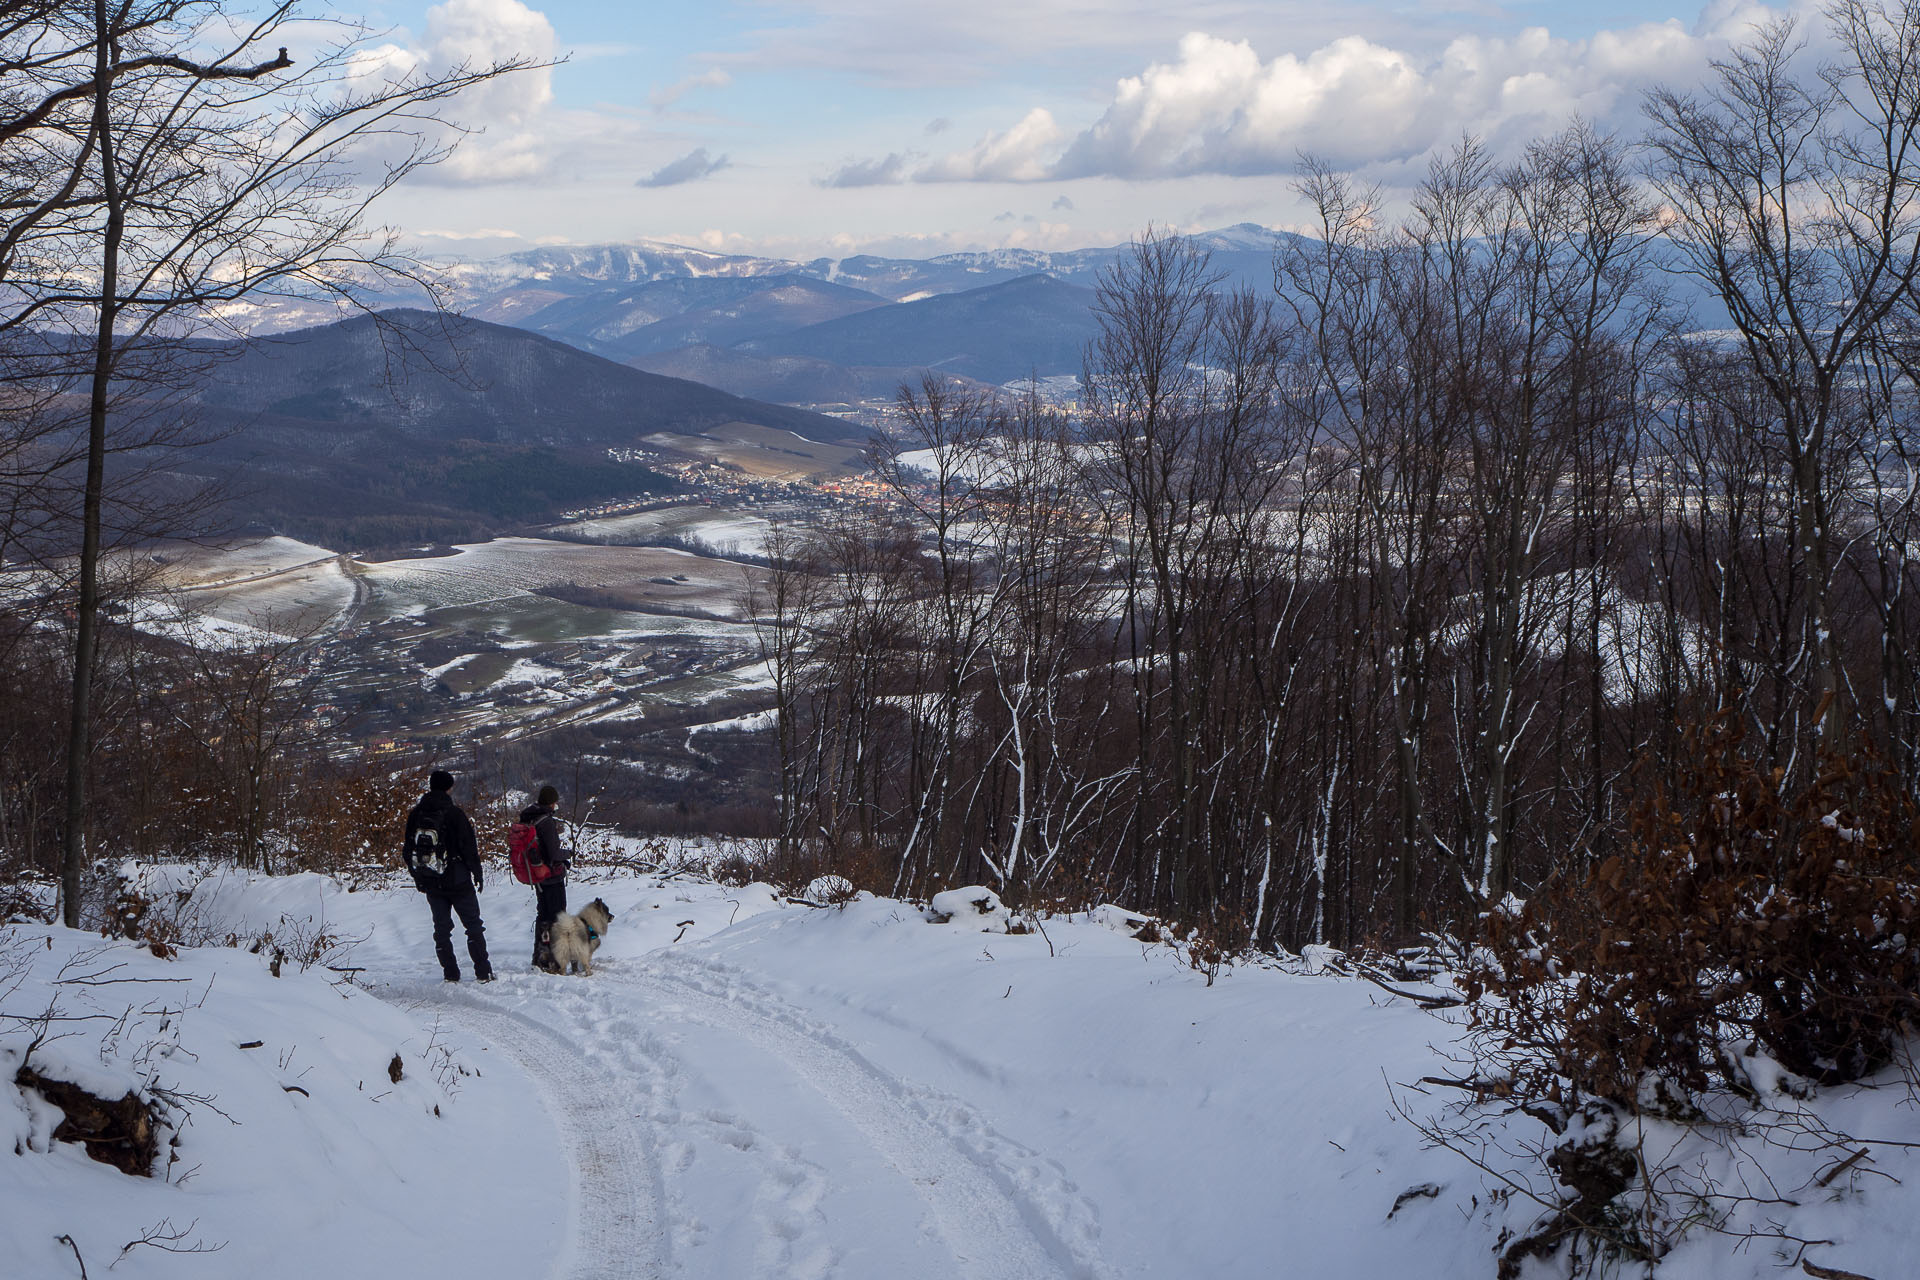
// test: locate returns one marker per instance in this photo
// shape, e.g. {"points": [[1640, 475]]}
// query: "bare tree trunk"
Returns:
{"points": [[73, 850]]}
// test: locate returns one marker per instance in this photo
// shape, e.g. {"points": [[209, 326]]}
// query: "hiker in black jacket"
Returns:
{"points": [[550, 894], [444, 857]]}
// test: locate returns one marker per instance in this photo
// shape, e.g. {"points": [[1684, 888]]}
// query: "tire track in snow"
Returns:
{"points": [[1004, 1213], [615, 1221], [614, 1081]]}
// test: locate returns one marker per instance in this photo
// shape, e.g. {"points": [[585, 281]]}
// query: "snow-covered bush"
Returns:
{"points": [[973, 907], [829, 891], [1753, 941], [1738, 913]]}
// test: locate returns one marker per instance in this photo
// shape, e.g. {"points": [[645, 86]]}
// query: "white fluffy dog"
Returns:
{"points": [[577, 937]]}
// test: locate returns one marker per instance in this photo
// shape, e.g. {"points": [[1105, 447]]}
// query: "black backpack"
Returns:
{"points": [[428, 848]]}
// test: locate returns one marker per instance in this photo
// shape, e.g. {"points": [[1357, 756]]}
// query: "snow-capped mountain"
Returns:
{"points": [[851, 319], [574, 270], [579, 267]]}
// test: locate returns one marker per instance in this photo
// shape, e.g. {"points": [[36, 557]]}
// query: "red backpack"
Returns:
{"points": [[522, 839]]}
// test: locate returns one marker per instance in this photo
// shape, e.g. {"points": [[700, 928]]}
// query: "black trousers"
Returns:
{"points": [[549, 900], [445, 904]]}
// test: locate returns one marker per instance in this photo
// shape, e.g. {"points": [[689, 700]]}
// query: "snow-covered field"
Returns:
{"points": [[767, 453], [301, 600], [262, 591], [191, 566], [500, 576], [748, 1087], [731, 532]]}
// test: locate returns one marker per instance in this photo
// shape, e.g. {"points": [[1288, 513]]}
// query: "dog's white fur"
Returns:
{"points": [[577, 937]]}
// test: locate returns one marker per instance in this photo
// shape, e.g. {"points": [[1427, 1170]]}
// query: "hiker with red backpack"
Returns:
{"points": [[444, 857], [534, 851]]}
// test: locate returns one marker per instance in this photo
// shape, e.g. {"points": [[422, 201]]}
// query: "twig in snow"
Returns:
{"points": [[1043, 933], [1424, 1191], [165, 1237], [1826, 1179], [1425, 1002], [68, 1241], [1829, 1273], [1450, 1083]]}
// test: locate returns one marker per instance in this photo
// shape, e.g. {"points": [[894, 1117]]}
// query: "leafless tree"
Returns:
{"points": [[1189, 450], [167, 158], [939, 465], [1790, 192]]}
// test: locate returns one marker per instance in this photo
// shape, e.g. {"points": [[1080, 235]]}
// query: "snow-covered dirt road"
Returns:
{"points": [[748, 1089], [713, 1130]]}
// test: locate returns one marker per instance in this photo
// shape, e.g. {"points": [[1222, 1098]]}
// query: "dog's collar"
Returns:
{"points": [[592, 934]]}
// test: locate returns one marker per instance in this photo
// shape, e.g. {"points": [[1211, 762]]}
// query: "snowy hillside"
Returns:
{"points": [[749, 1087]]}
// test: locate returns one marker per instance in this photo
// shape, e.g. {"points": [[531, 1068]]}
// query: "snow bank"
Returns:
{"points": [[306, 1128]]}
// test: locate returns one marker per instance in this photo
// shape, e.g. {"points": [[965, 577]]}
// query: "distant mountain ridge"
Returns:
{"points": [[998, 333], [662, 315], [996, 315], [635, 262], [656, 305], [833, 330], [1244, 251]]}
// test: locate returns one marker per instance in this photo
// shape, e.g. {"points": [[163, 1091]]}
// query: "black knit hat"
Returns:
{"points": [[440, 780], [548, 795]]}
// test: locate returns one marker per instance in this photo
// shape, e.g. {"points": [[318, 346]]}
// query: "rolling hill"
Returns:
{"points": [[422, 377], [724, 312], [1000, 333], [411, 428]]}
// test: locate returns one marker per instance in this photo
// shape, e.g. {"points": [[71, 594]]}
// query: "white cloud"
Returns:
{"points": [[1218, 107], [915, 45], [1021, 154], [667, 95], [506, 115]]}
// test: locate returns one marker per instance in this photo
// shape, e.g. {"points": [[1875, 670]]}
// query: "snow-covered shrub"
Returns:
{"points": [[974, 906], [792, 865], [30, 898], [829, 891], [1752, 941], [1140, 927], [1738, 913]]}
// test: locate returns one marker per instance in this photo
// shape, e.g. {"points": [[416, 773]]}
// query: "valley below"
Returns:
{"points": [[615, 648]]}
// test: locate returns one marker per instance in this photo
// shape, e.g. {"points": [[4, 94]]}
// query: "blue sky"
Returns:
{"points": [[806, 127]]}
